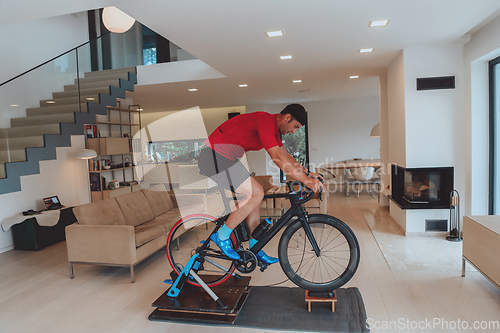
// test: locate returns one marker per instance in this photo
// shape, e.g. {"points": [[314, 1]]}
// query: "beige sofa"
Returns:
{"points": [[121, 231], [313, 206]]}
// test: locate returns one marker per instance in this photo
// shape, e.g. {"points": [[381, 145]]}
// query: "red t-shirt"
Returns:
{"points": [[248, 131]]}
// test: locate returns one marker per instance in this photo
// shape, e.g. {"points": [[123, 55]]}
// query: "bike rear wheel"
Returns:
{"points": [[339, 254], [185, 237]]}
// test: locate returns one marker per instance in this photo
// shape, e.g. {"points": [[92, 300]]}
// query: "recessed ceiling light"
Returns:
{"points": [[379, 23], [90, 98], [192, 89], [243, 85], [14, 105], [285, 57], [369, 50], [50, 102], [277, 33], [354, 76], [297, 81]]}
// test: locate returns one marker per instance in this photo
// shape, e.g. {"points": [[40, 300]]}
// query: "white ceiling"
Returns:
{"points": [[324, 37]]}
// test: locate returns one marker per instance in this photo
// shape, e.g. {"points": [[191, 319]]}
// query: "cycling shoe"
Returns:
{"points": [[262, 256], [225, 246]]}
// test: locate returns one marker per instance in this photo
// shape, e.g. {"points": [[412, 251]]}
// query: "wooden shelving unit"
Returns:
{"points": [[111, 147]]}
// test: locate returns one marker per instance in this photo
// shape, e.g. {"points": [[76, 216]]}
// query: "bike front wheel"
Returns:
{"points": [[338, 259]]}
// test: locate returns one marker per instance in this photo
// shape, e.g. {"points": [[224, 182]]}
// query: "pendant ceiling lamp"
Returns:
{"points": [[116, 21]]}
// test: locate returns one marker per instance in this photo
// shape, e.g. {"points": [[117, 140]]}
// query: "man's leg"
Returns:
{"points": [[253, 220], [249, 195]]}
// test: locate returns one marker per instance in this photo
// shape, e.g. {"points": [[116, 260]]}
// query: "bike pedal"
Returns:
{"points": [[262, 266]]}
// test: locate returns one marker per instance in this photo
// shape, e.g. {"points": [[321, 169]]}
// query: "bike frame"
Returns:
{"points": [[296, 210]]}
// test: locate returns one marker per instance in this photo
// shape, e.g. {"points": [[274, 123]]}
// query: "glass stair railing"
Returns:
{"points": [[43, 107]]}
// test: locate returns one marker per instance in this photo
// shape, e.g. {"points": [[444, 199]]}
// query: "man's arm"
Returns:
{"points": [[291, 167]]}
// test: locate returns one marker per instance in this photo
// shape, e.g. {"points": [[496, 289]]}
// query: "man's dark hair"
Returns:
{"points": [[297, 111]]}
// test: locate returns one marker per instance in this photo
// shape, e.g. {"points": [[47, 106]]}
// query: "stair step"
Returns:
{"points": [[43, 119], [98, 78], [109, 72], [36, 130], [74, 93], [21, 142], [17, 155], [92, 84], [55, 109], [70, 100]]}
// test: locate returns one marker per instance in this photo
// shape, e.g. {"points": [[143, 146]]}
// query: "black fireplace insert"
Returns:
{"points": [[421, 188]]}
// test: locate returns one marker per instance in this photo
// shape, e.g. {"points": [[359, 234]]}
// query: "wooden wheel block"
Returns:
{"points": [[313, 299]]}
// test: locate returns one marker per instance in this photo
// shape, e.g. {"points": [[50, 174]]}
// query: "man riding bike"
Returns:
{"points": [[220, 161]]}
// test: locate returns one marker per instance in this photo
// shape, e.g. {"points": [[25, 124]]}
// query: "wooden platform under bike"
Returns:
{"points": [[195, 305]]}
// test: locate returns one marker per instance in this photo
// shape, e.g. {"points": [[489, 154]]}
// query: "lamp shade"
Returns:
{"points": [[86, 154], [116, 21], [375, 130]]}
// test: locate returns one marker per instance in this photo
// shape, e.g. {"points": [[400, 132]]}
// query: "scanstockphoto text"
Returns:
{"points": [[429, 324]]}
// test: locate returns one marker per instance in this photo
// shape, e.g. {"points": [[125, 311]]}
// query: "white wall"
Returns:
{"points": [[338, 130], [396, 111], [483, 46], [66, 177], [211, 117], [178, 71], [29, 44], [426, 128], [434, 118]]}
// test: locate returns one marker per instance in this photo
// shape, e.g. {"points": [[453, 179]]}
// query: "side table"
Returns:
{"points": [[29, 235]]}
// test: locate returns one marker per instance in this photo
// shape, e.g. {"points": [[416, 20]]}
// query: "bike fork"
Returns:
{"points": [[309, 234]]}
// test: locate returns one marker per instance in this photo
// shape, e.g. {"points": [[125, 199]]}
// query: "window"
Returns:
{"points": [[185, 151], [148, 46], [494, 186], [149, 56]]}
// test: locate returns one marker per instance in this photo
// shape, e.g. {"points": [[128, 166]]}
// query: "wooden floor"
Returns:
{"points": [[400, 278]]}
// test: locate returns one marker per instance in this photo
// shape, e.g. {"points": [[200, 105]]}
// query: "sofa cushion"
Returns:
{"points": [[160, 201], [148, 231], [135, 208], [169, 218], [104, 212]]}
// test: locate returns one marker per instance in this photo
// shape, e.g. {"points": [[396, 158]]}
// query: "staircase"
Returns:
{"points": [[35, 137]]}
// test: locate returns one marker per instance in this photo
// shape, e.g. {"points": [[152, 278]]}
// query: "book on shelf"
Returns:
{"points": [[95, 182], [91, 131], [94, 165]]}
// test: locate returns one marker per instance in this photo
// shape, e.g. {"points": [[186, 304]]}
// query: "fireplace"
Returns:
{"points": [[421, 188]]}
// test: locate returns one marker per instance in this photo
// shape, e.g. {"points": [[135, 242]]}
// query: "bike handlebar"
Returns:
{"points": [[309, 193]]}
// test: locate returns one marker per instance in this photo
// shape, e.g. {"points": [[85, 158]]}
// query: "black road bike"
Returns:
{"points": [[317, 252]]}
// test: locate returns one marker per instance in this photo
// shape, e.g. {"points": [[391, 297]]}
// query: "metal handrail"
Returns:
{"points": [[52, 59]]}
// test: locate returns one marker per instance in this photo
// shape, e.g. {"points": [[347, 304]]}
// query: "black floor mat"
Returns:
{"points": [[281, 308], [285, 309]]}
